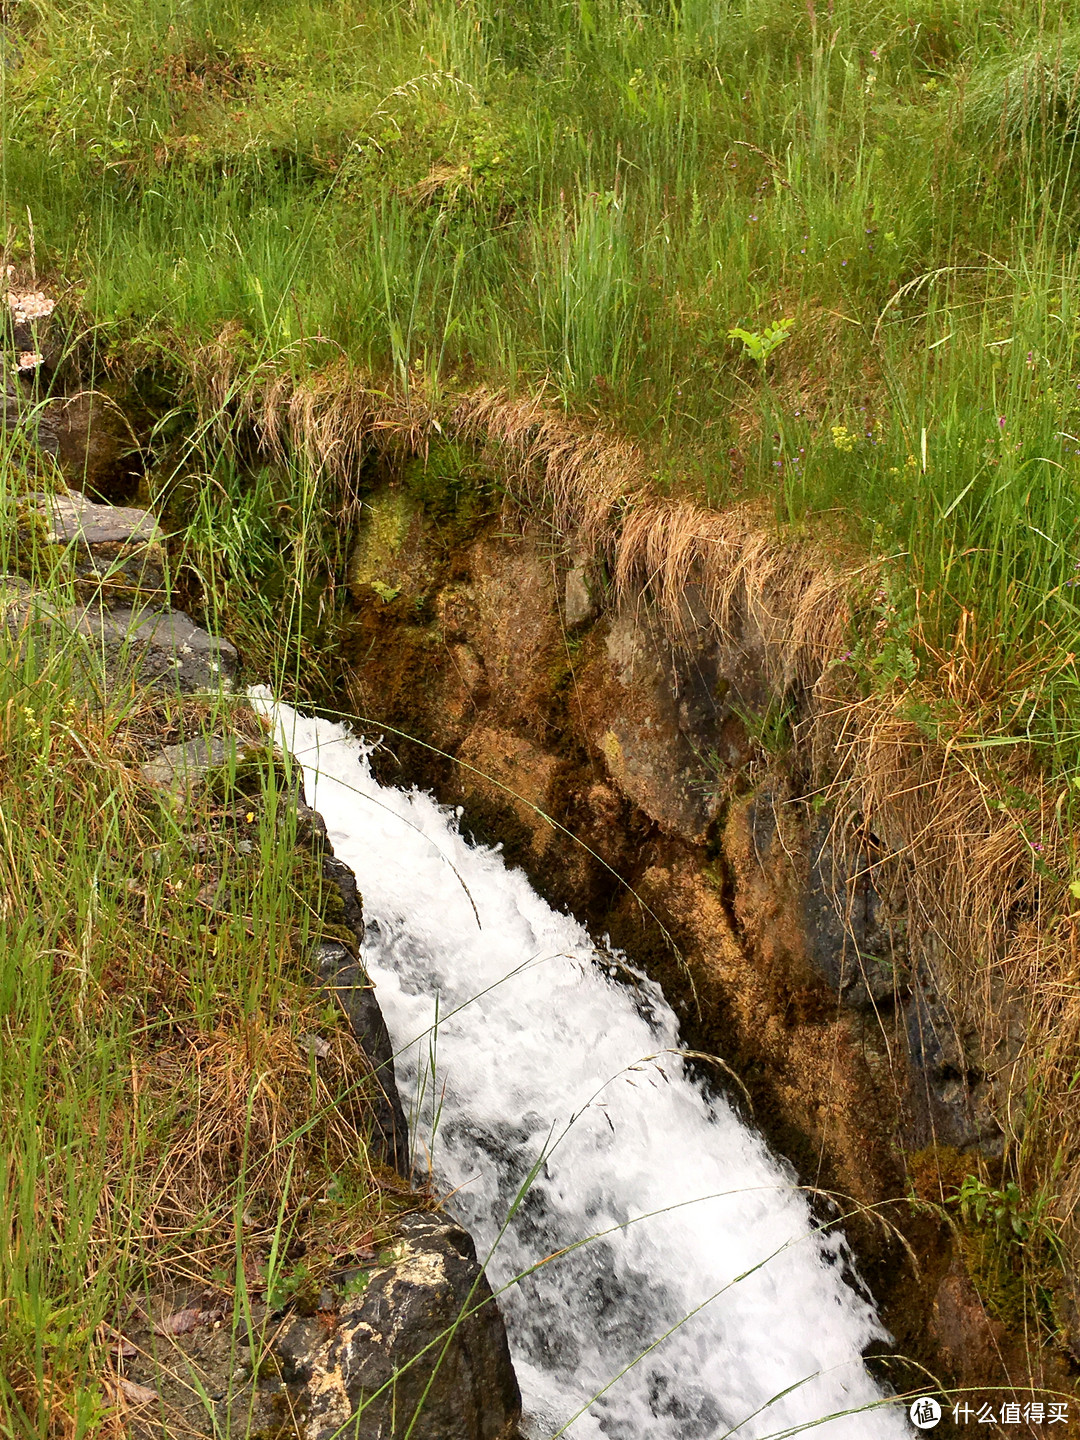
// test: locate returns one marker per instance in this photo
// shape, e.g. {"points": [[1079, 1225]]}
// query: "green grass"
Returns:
{"points": [[584, 196], [589, 197]]}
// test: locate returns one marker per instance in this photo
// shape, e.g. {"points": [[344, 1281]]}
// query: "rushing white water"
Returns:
{"points": [[707, 1305]]}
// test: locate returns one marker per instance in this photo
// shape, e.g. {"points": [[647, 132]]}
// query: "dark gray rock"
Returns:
{"points": [[163, 649], [347, 980], [182, 767], [18, 412], [850, 942], [422, 1352], [296, 1345], [310, 826], [949, 1098], [337, 871], [111, 545], [349, 983]]}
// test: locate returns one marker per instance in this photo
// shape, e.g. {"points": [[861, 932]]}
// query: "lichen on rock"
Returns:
{"points": [[422, 1352]]}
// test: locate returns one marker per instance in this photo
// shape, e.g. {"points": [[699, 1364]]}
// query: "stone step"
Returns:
{"points": [[119, 549], [148, 645], [162, 648]]}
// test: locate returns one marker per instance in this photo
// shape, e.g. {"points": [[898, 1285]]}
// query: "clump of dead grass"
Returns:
{"points": [[730, 571]]}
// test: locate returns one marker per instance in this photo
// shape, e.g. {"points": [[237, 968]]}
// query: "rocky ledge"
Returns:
{"points": [[420, 1351]]}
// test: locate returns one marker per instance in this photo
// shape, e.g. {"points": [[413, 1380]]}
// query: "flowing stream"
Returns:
{"points": [[693, 1295]]}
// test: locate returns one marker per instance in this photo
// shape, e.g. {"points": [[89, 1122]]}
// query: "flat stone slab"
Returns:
{"points": [[163, 648], [115, 546], [157, 648], [182, 767]]}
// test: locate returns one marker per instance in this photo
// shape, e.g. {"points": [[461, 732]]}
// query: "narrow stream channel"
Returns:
{"points": [[692, 1295]]}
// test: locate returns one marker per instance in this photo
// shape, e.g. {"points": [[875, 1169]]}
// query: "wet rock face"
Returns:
{"points": [[347, 980], [949, 1096], [838, 923], [421, 1351], [850, 942], [648, 744], [971, 1342], [658, 752]]}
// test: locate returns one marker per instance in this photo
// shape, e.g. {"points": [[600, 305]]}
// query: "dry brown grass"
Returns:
{"points": [[793, 603], [258, 1125], [730, 570], [977, 849], [582, 476]]}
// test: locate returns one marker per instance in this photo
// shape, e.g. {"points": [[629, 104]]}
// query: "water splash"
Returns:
{"points": [[548, 1098]]}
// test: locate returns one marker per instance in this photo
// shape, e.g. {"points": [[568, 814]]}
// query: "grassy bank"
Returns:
{"points": [[583, 200], [589, 197], [163, 1123]]}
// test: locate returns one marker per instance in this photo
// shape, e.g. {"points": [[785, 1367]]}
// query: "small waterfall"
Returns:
{"points": [[686, 1292]]}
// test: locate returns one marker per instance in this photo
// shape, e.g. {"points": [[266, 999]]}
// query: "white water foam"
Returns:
{"points": [[709, 1305]]}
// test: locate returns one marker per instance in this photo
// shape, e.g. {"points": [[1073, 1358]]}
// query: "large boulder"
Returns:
{"points": [[420, 1352]]}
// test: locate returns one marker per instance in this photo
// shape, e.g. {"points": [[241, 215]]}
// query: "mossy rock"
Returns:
{"points": [[324, 899], [450, 486], [378, 565]]}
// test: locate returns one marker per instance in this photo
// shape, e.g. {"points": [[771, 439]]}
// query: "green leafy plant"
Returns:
{"points": [[285, 1286], [1005, 1210], [769, 729], [759, 345], [355, 1285]]}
